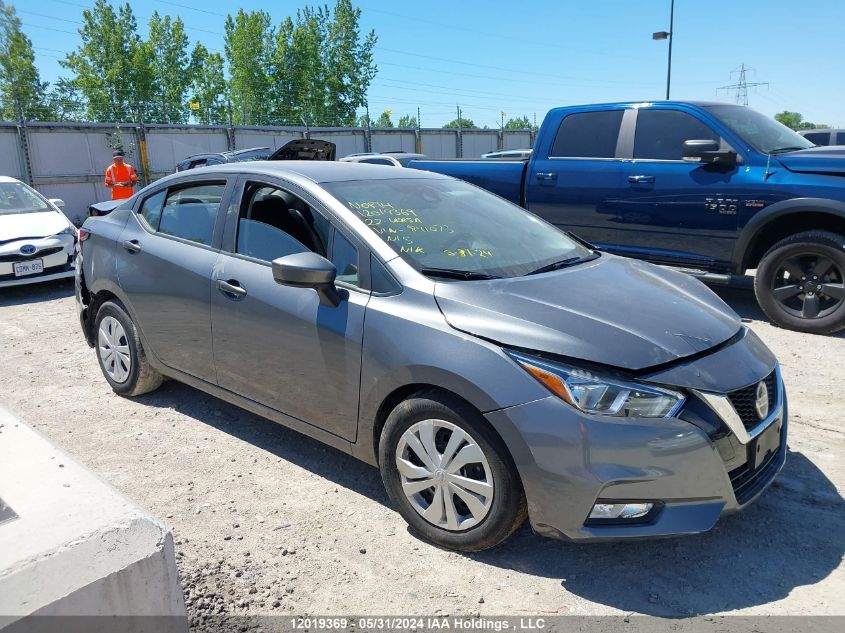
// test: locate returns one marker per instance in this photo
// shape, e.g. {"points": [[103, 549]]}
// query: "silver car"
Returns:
{"points": [[492, 366]]}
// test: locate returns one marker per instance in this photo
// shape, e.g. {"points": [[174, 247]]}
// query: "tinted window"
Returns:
{"points": [[819, 138], [150, 211], [345, 259], [377, 161], [840, 138], [588, 135], [661, 134], [190, 212]]}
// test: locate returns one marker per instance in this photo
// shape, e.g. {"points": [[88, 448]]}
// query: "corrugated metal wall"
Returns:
{"points": [[68, 160]]}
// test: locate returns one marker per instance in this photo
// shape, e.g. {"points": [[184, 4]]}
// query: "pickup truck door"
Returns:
{"points": [[574, 177], [278, 345], [673, 211]]}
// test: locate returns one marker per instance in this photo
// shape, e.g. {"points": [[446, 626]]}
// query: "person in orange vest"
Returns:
{"points": [[120, 177]]}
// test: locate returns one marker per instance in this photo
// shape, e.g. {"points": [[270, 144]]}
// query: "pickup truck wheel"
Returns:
{"points": [[120, 353], [449, 474], [800, 282]]}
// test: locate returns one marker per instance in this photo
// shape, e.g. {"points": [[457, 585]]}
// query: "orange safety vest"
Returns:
{"points": [[120, 173]]}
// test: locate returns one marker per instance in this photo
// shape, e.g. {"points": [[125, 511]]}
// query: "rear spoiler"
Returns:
{"points": [[305, 149]]}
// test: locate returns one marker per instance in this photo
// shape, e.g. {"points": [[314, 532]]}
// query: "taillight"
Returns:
{"points": [[84, 235]]}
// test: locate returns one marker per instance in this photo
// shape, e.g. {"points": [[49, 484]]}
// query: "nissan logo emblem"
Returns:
{"points": [[27, 249], [761, 402]]}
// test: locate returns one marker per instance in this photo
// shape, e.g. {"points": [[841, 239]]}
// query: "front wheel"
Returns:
{"points": [[800, 282], [449, 474]]}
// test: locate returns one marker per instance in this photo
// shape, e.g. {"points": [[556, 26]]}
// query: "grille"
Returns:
{"points": [[18, 257], [743, 401], [747, 481]]}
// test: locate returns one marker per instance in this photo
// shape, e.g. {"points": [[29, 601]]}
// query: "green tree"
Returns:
{"points": [[362, 121], [113, 66], [466, 124], [384, 119], [520, 123], [208, 86], [170, 68], [21, 90], [796, 121], [249, 48], [65, 101], [407, 121]]}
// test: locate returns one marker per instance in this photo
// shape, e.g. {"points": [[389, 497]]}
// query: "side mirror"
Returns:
{"points": [[308, 270], [707, 151], [58, 202]]}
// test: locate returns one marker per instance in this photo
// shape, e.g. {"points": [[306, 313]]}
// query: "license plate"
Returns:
{"points": [[28, 268], [767, 442]]}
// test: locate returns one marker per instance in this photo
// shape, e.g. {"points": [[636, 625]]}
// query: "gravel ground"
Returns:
{"points": [[267, 521]]}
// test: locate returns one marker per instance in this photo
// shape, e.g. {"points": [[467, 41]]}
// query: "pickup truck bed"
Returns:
{"points": [[505, 178]]}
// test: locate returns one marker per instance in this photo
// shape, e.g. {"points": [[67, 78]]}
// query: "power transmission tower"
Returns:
{"points": [[742, 85]]}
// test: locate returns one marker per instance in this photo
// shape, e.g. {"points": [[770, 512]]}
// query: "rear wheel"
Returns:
{"points": [[449, 474], [800, 283], [121, 354]]}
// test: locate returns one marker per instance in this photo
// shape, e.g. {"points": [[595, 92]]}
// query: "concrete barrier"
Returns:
{"points": [[71, 545]]}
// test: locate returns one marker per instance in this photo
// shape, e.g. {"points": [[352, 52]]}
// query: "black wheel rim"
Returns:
{"points": [[808, 285]]}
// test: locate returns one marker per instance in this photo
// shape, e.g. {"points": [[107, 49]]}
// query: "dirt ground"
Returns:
{"points": [[267, 521]]}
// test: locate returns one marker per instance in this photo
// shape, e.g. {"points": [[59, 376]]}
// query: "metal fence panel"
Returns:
{"points": [[168, 146], [11, 163], [246, 138], [393, 141], [517, 140], [476, 143], [348, 141], [439, 143]]}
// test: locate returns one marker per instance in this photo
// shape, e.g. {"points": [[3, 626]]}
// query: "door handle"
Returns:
{"points": [[133, 246], [641, 180], [545, 175], [231, 289]]}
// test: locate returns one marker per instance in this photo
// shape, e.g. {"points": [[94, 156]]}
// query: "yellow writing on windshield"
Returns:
{"points": [[468, 252]]}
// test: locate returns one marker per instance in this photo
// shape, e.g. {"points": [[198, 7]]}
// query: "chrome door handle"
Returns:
{"points": [[133, 246], [231, 289], [641, 180], [545, 175]]}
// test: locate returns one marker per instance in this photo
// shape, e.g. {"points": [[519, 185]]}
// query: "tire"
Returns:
{"points": [[114, 331], [474, 525], [799, 282]]}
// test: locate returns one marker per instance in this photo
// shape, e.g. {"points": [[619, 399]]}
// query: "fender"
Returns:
{"points": [[780, 209], [365, 444]]}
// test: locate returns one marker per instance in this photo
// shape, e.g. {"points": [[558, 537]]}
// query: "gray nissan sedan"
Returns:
{"points": [[492, 366]]}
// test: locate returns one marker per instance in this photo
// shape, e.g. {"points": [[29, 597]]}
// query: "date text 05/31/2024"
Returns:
{"points": [[418, 623]]}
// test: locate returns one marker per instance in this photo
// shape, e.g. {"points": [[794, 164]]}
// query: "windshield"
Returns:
{"points": [[764, 134], [16, 197], [451, 225]]}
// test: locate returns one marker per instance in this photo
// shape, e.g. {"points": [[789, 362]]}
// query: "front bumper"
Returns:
{"points": [[54, 252], [695, 472]]}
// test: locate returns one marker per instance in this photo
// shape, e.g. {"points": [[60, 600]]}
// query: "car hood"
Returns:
{"points": [[611, 310], [19, 225], [817, 160]]}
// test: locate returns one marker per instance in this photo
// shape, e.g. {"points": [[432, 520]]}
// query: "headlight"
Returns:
{"points": [[603, 395], [68, 230]]}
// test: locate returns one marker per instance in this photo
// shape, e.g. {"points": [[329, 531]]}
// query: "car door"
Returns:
{"points": [[278, 345], [574, 180], [166, 254], [674, 211]]}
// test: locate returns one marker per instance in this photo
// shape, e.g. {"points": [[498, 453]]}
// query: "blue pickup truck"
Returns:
{"points": [[715, 189]]}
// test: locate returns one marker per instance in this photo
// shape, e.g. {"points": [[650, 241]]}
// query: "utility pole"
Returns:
{"points": [[742, 85], [419, 132], [368, 141]]}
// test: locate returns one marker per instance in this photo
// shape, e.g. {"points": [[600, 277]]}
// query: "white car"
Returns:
{"points": [[36, 239]]}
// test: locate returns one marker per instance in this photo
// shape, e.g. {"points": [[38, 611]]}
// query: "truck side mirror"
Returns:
{"points": [[707, 151]]}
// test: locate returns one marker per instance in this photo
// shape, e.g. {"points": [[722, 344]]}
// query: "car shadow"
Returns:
{"points": [[36, 293], [794, 535]]}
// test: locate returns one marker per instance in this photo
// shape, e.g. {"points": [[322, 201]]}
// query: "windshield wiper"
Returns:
{"points": [[570, 261], [454, 273], [781, 150]]}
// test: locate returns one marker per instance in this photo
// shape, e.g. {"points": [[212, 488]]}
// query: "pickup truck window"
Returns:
{"points": [[661, 134], [588, 135], [819, 138], [762, 133], [452, 226]]}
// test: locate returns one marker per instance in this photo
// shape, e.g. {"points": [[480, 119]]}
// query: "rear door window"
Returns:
{"points": [[188, 212], [840, 138], [819, 138], [661, 134], [588, 135]]}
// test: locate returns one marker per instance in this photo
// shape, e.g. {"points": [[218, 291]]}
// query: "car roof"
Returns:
{"points": [[317, 170], [8, 179]]}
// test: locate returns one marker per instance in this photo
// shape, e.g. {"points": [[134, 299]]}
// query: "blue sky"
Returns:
{"points": [[528, 56]]}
